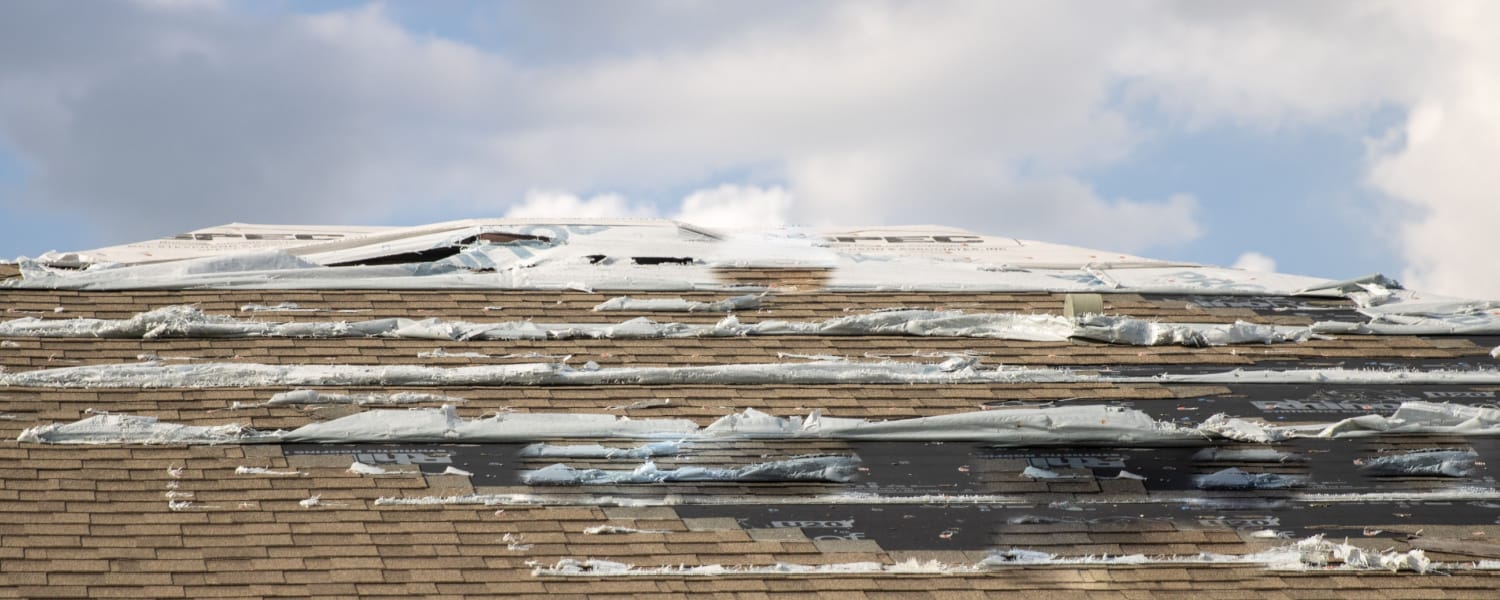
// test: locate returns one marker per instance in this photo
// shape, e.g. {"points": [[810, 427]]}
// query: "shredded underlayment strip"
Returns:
{"points": [[1058, 425], [832, 469], [189, 322], [1315, 552], [955, 371], [1195, 499], [626, 303]]}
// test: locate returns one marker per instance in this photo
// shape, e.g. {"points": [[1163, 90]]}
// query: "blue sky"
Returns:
{"points": [[1196, 132]]}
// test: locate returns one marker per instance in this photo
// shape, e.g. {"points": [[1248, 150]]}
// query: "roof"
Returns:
{"points": [[156, 512]]}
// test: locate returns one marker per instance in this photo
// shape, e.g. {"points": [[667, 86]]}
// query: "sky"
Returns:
{"points": [[1331, 139]]}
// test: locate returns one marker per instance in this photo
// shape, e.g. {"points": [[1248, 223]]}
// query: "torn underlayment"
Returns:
{"points": [[1235, 478], [653, 449], [834, 469], [315, 398], [622, 255], [626, 303], [1311, 553], [1021, 426], [188, 321], [1086, 424], [1435, 462], [954, 371], [666, 255]]}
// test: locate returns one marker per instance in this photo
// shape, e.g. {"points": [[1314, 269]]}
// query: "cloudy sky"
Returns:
{"points": [[1322, 138]]}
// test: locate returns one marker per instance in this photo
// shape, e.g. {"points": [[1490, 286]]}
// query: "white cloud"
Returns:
{"points": [[561, 204], [1443, 161], [734, 206], [1255, 261]]}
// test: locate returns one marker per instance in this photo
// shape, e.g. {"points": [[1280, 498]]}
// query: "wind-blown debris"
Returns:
{"points": [[515, 542], [598, 451], [1317, 552], [1422, 463], [451, 470], [837, 469], [1234, 478], [626, 303]]}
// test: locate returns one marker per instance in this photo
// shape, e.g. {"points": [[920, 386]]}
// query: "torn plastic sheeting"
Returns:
{"points": [[598, 451], [837, 469], [626, 303], [1422, 463], [1234, 478]]}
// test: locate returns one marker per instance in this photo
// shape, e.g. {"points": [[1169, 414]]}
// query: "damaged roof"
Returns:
{"points": [[495, 408]]}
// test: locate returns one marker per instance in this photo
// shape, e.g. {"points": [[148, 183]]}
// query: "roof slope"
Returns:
{"points": [[255, 516]]}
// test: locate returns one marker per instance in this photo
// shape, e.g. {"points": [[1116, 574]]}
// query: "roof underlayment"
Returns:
{"points": [[649, 408]]}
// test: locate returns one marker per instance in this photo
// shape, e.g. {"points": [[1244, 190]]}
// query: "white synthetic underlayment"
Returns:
{"points": [[1088, 424], [189, 322]]}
